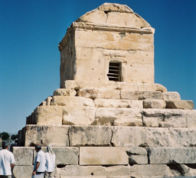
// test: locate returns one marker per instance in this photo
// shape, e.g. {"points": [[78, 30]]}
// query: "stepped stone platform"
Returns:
{"points": [[109, 119]]}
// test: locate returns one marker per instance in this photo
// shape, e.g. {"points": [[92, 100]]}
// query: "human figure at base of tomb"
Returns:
{"points": [[39, 163], [50, 162], [6, 161]]}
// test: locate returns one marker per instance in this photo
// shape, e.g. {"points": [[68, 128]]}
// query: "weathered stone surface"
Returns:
{"points": [[116, 103], [23, 156], [66, 155], [154, 104], [103, 156], [137, 155], [46, 135], [140, 95], [191, 118], [23, 171], [106, 93], [181, 104], [118, 116], [170, 96], [150, 170], [164, 118], [48, 115], [94, 171], [75, 110], [64, 92], [153, 137], [159, 87], [165, 155], [72, 101], [73, 115], [91, 136]]}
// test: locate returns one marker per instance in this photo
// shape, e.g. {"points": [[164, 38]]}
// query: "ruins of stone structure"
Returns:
{"points": [[109, 119]]}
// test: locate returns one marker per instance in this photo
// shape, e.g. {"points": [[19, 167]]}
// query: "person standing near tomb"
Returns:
{"points": [[39, 163], [50, 162], [6, 161]]}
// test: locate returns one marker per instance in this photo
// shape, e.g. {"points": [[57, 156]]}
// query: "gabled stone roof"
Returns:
{"points": [[112, 14]]}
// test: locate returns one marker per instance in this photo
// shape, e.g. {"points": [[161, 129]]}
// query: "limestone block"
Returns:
{"points": [[140, 95], [154, 103], [181, 104], [137, 155], [91, 136], [170, 96], [48, 115], [118, 116], [88, 93], [46, 135], [165, 155], [75, 110], [159, 87], [82, 115], [164, 118], [115, 103], [71, 84], [64, 92], [103, 156], [191, 118], [23, 156], [66, 155], [71, 101], [93, 93], [153, 137], [150, 170], [74, 170], [23, 171]]}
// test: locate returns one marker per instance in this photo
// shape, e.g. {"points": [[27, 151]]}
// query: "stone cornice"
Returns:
{"points": [[87, 26]]}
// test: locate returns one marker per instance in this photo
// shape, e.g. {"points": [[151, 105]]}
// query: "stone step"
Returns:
{"points": [[87, 114], [138, 171], [109, 135], [112, 161]]}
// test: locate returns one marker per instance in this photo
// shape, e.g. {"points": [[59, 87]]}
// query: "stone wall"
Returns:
{"points": [[110, 33]]}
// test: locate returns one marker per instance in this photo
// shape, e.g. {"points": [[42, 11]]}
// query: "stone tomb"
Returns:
{"points": [[109, 119]]}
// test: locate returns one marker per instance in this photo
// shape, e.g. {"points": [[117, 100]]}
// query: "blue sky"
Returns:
{"points": [[30, 31]]}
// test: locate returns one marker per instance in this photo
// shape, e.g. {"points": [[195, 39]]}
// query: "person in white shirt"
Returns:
{"points": [[39, 163], [6, 162], [50, 162]]}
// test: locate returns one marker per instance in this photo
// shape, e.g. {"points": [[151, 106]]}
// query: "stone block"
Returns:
{"points": [[93, 93], [46, 135], [191, 118], [74, 170], [23, 156], [78, 115], [137, 155], [66, 155], [164, 118], [64, 92], [141, 95], [91, 136], [171, 96], [23, 171], [159, 87], [165, 155], [150, 170], [103, 156], [118, 117], [154, 104], [48, 115], [116, 103], [153, 137], [72, 101], [181, 104]]}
